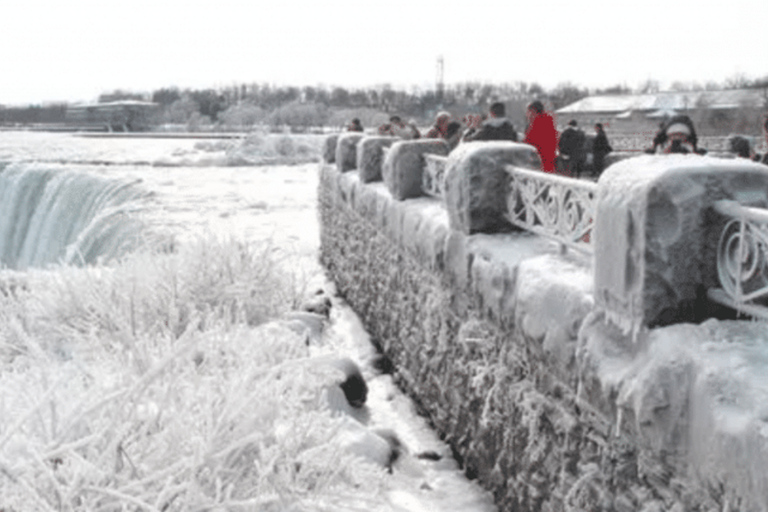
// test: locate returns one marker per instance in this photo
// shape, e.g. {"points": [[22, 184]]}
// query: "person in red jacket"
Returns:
{"points": [[542, 135]]}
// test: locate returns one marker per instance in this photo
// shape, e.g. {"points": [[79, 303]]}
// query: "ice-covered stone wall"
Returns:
{"points": [[529, 361]]}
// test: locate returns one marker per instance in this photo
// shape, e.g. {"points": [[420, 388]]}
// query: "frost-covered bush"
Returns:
{"points": [[259, 148], [161, 384], [242, 116]]}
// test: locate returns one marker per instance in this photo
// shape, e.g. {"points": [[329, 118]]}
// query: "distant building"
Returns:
{"points": [[717, 110], [123, 115]]}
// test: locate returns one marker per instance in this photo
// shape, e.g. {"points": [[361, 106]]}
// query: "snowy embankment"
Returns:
{"points": [[182, 377], [157, 383]]}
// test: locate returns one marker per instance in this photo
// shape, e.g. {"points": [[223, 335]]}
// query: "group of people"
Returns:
{"points": [[574, 148], [541, 132], [563, 153]]}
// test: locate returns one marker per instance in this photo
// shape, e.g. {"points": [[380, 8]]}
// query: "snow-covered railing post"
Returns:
{"points": [[404, 165], [553, 206], [656, 236], [433, 177], [329, 148], [476, 184], [742, 259], [346, 150], [371, 152]]}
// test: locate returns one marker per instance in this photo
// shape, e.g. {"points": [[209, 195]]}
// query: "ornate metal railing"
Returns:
{"points": [[553, 206], [433, 176], [742, 259]]}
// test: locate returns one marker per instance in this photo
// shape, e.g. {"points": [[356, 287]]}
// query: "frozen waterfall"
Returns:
{"points": [[61, 214]]}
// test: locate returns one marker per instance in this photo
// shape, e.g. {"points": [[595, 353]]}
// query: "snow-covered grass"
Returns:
{"points": [[160, 384]]}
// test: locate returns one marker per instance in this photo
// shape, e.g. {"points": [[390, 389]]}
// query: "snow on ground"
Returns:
{"points": [[110, 397]]}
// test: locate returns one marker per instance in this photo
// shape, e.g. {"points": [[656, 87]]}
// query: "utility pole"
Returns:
{"points": [[439, 81]]}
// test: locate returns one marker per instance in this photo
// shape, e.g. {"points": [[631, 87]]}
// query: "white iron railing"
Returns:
{"points": [[742, 259], [553, 206], [433, 175]]}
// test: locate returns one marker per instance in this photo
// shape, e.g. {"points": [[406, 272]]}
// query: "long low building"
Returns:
{"points": [[123, 115], [729, 110]]}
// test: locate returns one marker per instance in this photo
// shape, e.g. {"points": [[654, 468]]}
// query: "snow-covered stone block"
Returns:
{"points": [[366, 202], [348, 188], [656, 234], [493, 286], [370, 157], [618, 156], [329, 148], [424, 232], [346, 150], [476, 184], [553, 298], [457, 260], [404, 165]]}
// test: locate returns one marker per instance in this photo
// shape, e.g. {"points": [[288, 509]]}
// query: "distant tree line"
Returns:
{"points": [[243, 106]]}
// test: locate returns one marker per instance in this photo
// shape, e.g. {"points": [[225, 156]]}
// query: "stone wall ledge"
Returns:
{"points": [[686, 394], [515, 280], [551, 403]]}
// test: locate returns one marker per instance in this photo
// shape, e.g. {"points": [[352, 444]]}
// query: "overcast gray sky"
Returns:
{"points": [[76, 49]]}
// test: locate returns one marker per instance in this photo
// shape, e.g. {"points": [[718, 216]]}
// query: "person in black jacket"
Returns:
{"points": [[600, 148], [355, 126], [496, 127], [571, 148]]}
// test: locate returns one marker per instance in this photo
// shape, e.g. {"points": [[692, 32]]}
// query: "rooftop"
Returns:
{"points": [[669, 101]]}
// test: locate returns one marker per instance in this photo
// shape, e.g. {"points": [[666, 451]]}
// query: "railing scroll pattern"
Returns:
{"points": [[553, 206], [433, 177], [742, 259]]}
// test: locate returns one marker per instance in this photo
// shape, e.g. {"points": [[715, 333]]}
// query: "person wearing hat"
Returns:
{"points": [[679, 136], [571, 147], [437, 131]]}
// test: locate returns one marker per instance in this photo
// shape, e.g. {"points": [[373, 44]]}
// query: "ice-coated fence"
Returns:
{"points": [[615, 360], [553, 206], [433, 178], [742, 259], [652, 256]]}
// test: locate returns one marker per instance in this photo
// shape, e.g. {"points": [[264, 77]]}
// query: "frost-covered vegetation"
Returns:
{"points": [[160, 384], [257, 148]]}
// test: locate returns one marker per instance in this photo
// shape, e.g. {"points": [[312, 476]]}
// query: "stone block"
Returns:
{"points": [[370, 157], [346, 150], [618, 156], [489, 284], [366, 203], [404, 164], [329, 148], [424, 233], [457, 266], [476, 184], [656, 233], [348, 188]]}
